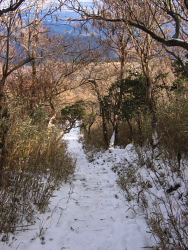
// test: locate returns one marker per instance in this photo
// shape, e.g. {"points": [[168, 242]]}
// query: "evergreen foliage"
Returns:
{"points": [[131, 92], [72, 113]]}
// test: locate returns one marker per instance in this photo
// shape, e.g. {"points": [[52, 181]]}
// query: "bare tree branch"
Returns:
{"points": [[171, 12], [12, 7]]}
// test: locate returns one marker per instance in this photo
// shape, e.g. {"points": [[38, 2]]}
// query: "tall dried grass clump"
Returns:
{"points": [[36, 162]]}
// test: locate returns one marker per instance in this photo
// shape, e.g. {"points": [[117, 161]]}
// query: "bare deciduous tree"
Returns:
{"points": [[172, 13]]}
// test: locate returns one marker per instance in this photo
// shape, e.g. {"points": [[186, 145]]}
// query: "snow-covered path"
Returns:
{"points": [[97, 207], [89, 213]]}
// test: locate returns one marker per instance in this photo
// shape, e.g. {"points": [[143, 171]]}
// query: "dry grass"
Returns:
{"points": [[36, 164]]}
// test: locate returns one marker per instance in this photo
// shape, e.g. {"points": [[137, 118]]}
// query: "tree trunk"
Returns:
{"points": [[152, 109], [131, 130], [116, 129], [140, 131], [103, 113], [116, 120], [150, 101], [3, 130], [104, 125]]}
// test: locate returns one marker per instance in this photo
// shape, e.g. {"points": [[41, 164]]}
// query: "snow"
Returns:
{"points": [[112, 140], [89, 212], [177, 39]]}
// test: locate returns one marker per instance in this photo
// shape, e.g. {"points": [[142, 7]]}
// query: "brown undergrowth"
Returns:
{"points": [[36, 163]]}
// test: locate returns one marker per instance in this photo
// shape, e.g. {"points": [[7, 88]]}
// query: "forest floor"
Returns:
{"points": [[89, 212]]}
